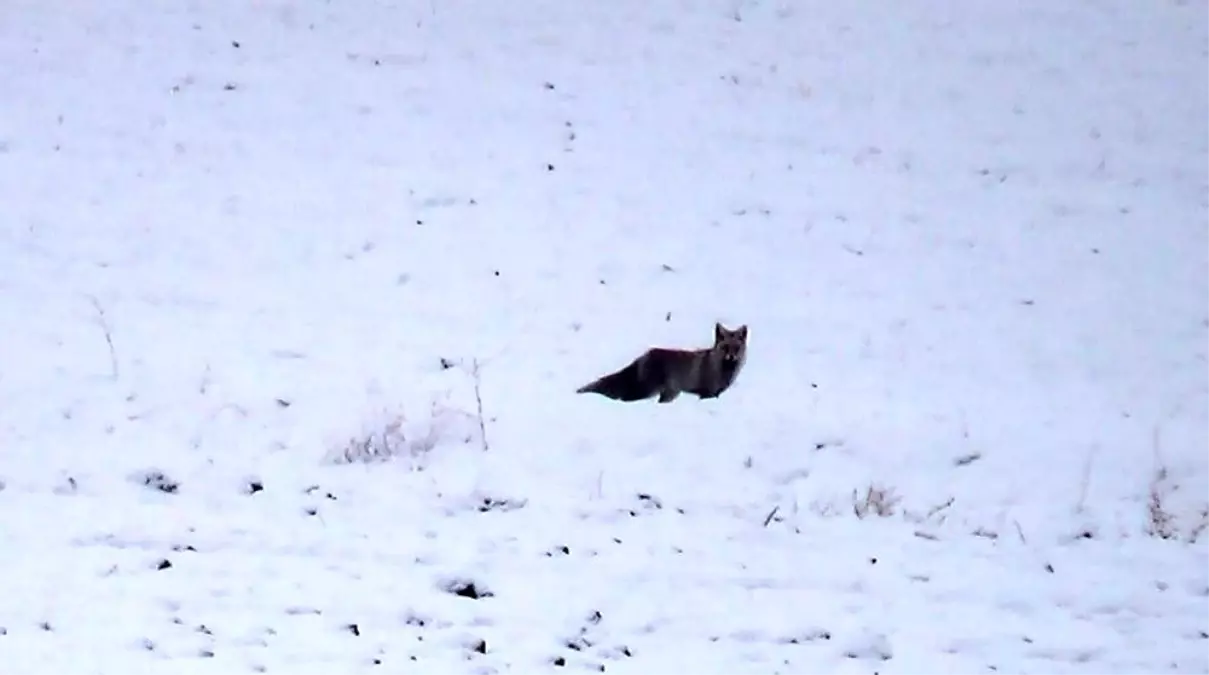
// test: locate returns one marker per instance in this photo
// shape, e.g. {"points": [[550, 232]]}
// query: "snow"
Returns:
{"points": [[248, 244]]}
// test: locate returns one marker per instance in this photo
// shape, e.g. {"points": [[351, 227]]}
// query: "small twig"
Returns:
{"points": [[940, 507], [966, 460], [1200, 527], [1020, 532], [771, 514], [104, 323], [478, 402]]}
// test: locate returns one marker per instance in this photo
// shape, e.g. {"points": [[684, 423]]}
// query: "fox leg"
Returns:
{"points": [[668, 395]]}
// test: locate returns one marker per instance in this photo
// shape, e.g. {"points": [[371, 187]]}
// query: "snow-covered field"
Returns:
{"points": [[245, 241]]}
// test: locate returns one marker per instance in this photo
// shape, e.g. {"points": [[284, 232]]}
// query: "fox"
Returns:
{"points": [[669, 372]]}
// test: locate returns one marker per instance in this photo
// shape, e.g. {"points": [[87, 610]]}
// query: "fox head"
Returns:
{"points": [[732, 343]]}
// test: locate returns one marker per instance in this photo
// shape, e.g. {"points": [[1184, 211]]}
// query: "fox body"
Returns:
{"points": [[670, 372]]}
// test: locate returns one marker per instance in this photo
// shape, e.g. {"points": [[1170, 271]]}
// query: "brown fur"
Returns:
{"points": [[670, 372]]}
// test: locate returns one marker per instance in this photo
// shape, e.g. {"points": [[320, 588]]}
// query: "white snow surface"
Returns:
{"points": [[245, 240]]}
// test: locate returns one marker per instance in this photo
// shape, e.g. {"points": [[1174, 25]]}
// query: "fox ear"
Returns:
{"points": [[741, 331], [719, 332]]}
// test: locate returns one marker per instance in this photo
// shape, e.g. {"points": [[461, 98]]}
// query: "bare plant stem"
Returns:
{"points": [[1020, 532], [104, 323], [478, 402]]}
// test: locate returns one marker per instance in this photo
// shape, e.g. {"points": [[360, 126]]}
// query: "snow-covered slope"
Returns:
{"points": [[245, 242]]}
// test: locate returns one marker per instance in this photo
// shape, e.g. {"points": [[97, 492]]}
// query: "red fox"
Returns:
{"points": [[668, 372]]}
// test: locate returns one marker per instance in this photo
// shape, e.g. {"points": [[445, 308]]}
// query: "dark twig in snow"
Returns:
{"points": [[478, 402], [771, 515]]}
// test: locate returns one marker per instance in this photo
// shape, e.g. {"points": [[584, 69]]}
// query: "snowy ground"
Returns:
{"points": [[969, 239]]}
